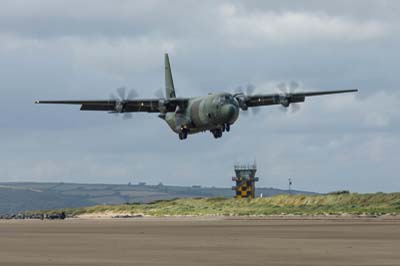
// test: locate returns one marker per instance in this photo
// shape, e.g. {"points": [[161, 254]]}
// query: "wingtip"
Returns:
{"points": [[36, 102]]}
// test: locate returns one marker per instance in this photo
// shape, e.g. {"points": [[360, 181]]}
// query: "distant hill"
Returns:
{"points": [[13, 200], [23, 196]]}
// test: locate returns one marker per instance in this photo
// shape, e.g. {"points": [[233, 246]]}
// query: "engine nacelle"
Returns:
{"points": [[241, 99], [286, 100], [119, 107], [162, 105]]}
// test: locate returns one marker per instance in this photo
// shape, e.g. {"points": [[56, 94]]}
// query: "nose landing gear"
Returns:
{"points": [[183, 134]]}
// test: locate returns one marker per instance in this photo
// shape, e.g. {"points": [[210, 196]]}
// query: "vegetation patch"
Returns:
{"points": [[332, 204]]}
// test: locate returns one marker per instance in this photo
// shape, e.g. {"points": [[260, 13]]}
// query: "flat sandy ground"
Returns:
{"points": [[201, 241]]}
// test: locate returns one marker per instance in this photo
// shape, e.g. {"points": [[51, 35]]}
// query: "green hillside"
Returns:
{"points": [[371, 204]]}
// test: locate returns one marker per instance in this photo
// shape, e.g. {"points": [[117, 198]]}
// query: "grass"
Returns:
{"points": [[358, 204]]}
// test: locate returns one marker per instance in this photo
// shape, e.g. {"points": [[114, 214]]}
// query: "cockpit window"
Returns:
{"points": [[224, 98], [228, 98]]}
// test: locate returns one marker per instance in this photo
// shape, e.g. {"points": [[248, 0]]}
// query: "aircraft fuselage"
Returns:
{"points": [[214, 112]]}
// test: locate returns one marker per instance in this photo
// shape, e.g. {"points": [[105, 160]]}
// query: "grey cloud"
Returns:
{"points": [[361, 9], [49, 19]]}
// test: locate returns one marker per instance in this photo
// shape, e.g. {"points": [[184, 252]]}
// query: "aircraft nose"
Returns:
{"points": [[229, 112]]}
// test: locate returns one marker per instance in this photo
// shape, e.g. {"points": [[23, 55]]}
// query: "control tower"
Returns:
{"points": [[245, 180]]}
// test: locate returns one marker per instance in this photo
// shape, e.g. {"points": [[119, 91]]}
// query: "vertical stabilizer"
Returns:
{"points": [[169, 83]]}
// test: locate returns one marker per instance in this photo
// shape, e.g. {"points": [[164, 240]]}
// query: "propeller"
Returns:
{"points": [[121, 100], [250, 88], [241, 96], [285, 89], [132, 94], [162, 101]]}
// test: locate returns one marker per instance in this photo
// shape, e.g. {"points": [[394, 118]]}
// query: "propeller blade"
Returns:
{"points": [[282, 87], [293, 85], [283, 109], [256, 110], [294, 107], [250, 89], [132, 94], [239, 89], [113, 97], [127, 116], [121, 92]]}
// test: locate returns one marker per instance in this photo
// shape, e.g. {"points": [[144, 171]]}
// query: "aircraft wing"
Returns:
{"points": [[284, 99], [126, 106]]}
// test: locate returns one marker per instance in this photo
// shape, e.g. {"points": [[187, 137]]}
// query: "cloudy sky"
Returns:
{"points": [[86, 49]]}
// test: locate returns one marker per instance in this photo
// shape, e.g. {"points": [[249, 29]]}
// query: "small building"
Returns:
{"points": [[245, 180]]}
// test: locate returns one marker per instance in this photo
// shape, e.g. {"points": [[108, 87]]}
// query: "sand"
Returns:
{"points": [[201, 241]]}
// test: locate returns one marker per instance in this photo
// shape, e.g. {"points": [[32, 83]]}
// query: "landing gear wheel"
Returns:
{"points": [[217, 133], [183, 134], [227, 127]]}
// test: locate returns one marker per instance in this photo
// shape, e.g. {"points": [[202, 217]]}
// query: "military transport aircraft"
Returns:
{"points": [[215, 112]]}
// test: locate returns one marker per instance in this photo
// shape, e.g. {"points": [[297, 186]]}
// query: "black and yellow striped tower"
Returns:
{"points": [[245, 180]]}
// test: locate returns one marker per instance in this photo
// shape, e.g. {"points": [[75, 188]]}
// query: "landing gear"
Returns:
{"points": [[217, 133], [226, 127], [183, 134]]}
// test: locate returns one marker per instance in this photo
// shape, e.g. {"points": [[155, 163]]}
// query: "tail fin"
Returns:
{"points": [[169, 82]]}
